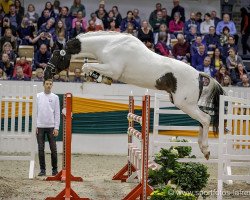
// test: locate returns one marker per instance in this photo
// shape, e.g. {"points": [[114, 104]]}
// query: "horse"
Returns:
{"points": [[125, 58]]}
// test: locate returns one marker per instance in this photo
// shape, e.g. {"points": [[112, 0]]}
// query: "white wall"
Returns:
{"points": [[145, 6]]}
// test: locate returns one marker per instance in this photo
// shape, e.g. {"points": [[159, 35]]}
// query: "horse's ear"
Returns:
{"points": [[73, 46]]}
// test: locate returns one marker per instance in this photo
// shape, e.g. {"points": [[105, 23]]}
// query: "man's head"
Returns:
{"points": [[19, 72], [12, 9], [198, 39], [46, 13], [198, 16], [201, 49], [213, 14], [5, 57], [207, 61], [211, 30], [226, 18], [193, 30], [207, 16], [180, 38], [192, 16], [231, 40], [159, 15], [176, 2], [47, 84], [8, 32], [43, 49], [77, 72], [135, 12], [64, 11], [158, 6]]}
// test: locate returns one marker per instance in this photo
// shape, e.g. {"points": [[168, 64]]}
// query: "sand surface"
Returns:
{"points": [[97, 172]]}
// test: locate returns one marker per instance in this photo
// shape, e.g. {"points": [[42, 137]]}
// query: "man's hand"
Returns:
{"points": [[55, 132]]}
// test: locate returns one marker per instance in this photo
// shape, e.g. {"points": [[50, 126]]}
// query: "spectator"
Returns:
{"points": [[93, 27], [63, 76], [181, 50], [226, 47], [14, 18], [77, 30], [102, 15], [49, 6], [136, 16], [56, 78], [245, 30], [217, 59], [8, 37], [245, 81], [6, 24], [226, 22], [204, 28], [41, 57], [196, 45], [161, 47], [145, 34], [39, 75], [226, 81], [165, 16], [101, 5], [112, 26], [164, 28], [77, 6], [129, 20], [25, 31], [215, 18], [190, 37], [198, 17], [77, 76], [2, 75], [25, 65], [211, 40], [157, 22], [44, 18], [6, 5], [206, 67], [96, 20], [117, 15], [43, 38], [233, 59], [1, 14], [48, 28], [66, 19], [224, 36], [48, 121], [237, 73], [20, 76], [191, 23], [31, 14], [111, 17], [221, 74], [7, 48], [153, 15], [131, 30], [179, 9], [60, 43], [176, 25], [19, 8], [57, 8], [6, 66], [199, 56], [60, 29]]}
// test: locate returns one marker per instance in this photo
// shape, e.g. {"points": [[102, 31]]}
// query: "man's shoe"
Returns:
{"points": [[42, 173], [54, 172]]}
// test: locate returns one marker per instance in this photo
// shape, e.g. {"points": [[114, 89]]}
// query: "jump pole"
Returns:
{"points": [[61, 176], [67, 193]]}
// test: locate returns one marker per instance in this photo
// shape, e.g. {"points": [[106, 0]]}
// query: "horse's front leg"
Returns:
{"points": [[103, 69]]}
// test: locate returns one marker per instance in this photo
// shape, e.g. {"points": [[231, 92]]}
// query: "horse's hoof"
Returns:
{"points": [[207, 155], [107, 80]]}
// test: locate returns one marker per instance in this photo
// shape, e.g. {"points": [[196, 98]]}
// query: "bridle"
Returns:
{"points": [[52, 68]]}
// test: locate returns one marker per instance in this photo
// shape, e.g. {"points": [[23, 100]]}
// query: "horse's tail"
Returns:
{"points": [[213, 100]]}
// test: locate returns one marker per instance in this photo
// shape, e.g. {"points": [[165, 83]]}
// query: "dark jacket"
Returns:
{"points": [[41, 58], [179, 9], [211, 69]]}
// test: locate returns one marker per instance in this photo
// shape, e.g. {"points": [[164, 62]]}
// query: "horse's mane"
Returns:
{"points": [[101, 33]]}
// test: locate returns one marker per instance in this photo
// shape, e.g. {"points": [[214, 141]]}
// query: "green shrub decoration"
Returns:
{"points": [[189, 178]]}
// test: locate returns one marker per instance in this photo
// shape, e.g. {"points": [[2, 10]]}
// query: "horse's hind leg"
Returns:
{"points": [[194, 111]]}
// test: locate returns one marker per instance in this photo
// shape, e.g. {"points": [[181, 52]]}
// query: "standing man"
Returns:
{"points": [[178, 8], [48, 121]]}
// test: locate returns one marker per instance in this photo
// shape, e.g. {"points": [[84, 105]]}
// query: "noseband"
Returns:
{"points": [[52, 68]]}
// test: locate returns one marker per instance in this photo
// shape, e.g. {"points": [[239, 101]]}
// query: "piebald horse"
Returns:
{"points": [[125, 58]]}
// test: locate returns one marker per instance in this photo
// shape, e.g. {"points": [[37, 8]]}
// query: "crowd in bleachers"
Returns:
{"points": [[203, 40]]}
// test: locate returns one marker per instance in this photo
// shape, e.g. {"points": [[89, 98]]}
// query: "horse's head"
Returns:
{"points": [[60, 59]]}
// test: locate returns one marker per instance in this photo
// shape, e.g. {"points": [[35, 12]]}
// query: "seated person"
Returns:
{"points": [[39, 75], [206, 24], [226, 81], [244, 81], [27, 69], [93, 27], [190, 37], [237, 73], [206, 67], [79, 18], [145, 34], [20, 76], [77, 30], [211, 40], [31, 13], [176, 25], [130, 30], [77, 75], [221, 73], [161, 47], [8, 37], [181, 50], [226, 47], [2, 75], [196, 44], [44, 18], [6, 66], [63, 76], [191, 23], [7, 48], [217, 59], [113, 27], [224, 36], [6, 24], [199, 56], [41, 57], [25, 31], [49, 28], [157, 22], [233, 59], [43, 38], [60, 42], [129, 20]]}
